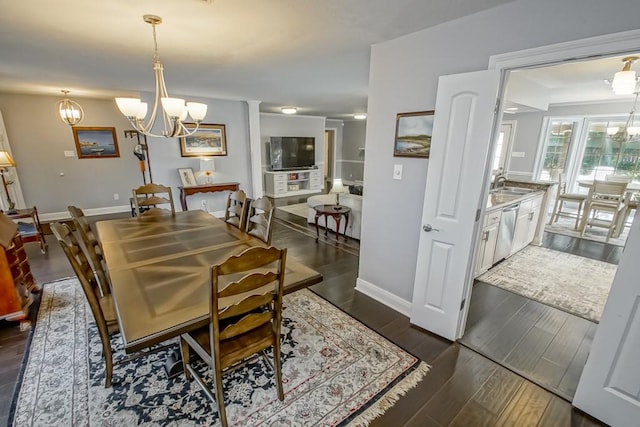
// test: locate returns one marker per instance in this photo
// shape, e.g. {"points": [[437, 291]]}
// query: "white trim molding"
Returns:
{"points": [[350, 161], [54, 216], [385, 297]]}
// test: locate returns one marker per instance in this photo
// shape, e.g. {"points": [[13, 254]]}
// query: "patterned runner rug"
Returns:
{"points": [[569, 282], [336, 371]]}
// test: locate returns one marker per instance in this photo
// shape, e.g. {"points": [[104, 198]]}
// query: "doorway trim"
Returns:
{"points": [[330, 151], [590, 47]]}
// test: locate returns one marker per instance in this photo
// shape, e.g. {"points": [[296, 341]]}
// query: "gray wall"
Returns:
{"points": [[353, 140], [528, 130], [38, 138], [283, 125], [404, 77]]}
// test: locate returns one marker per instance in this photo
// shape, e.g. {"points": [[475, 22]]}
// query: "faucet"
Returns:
{"points": [[499, 181]]}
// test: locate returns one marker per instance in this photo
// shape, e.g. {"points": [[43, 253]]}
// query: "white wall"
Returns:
{"points": [[38, 139], [404, 78]]}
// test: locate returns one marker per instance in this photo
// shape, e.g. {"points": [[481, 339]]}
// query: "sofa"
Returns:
{"points": [[352, 201]]}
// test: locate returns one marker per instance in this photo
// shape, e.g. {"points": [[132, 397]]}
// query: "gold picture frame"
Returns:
{"points": [[210, 140], [413, 134], [96, 142]]}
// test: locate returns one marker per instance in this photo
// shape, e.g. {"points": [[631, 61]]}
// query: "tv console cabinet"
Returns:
{"points": [[292, 182]]}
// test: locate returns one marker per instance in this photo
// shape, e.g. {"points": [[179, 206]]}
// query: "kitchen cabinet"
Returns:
{"points": [[526, 223], [488, 238], [528, 208]]}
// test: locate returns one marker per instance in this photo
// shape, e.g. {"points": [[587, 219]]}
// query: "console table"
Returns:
{"points": [[206, 188]]}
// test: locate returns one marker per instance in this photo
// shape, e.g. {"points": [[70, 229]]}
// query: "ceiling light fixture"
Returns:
{"points": [[289, 110], [624, 82], [70, 111], [174, 110], [359, 116], [630, 132]]}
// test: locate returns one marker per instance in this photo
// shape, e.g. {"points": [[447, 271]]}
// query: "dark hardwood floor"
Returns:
{"points": [[463, 387], [543, 344]]}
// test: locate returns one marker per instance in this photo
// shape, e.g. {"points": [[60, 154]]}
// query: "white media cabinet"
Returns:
{"points": [[292, 182]]}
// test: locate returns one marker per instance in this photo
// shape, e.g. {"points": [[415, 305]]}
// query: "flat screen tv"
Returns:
{"points": [[286, 152]]}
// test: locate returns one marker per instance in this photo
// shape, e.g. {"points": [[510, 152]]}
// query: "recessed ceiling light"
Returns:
{"points": [[289, 110], [359, 116], [512, 109]]}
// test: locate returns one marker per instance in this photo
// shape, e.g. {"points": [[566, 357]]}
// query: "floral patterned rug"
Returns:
{"points": [[336, 372]]}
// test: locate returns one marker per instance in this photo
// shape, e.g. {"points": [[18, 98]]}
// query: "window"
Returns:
{"points": [[556, 148], [609, 152]]}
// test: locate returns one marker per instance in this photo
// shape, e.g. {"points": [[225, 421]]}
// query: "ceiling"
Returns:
{"points": [[307, 53], [576, 82]]}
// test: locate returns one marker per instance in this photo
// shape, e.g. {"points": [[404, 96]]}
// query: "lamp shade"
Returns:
{"points": [[338, 187], [6, 160], [129, 107], [624, 82]]}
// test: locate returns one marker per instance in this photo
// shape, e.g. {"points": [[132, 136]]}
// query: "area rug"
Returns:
{"points": [[571, 283], [565, 226], [336, 372], [299, 209]]}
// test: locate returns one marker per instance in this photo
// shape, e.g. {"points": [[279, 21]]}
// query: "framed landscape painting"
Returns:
{"points": [[413, 134], [208, 141], [95, 142]]}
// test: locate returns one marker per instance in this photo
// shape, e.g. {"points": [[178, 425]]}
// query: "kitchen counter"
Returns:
{"points": [[498, 200]]}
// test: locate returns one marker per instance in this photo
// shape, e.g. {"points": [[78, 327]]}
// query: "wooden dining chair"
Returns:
{"points": [[242, 330], [236, 211], [75, 212], [102, 306], [564, 197], [259, 222], [149, 196], [605, 197], [94, 252]]}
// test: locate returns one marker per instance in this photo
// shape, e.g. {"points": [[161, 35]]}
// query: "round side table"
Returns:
{"points": [[336, 212]]}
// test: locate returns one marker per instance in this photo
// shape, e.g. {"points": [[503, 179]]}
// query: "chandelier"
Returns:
{"points": [[174, 110], [70, 111], [630, 131]]}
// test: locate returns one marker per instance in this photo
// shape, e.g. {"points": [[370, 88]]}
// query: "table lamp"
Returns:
{"points": [[338, 188], [5, 162]]}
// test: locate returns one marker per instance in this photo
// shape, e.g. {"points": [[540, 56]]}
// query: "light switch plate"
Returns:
{"points": [[517, 154], [69, 153], [397, 171]]}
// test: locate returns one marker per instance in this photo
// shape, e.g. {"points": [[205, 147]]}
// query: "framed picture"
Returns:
{"points": [[208, 141], [95, 142], [187, 177], [413, 134]]}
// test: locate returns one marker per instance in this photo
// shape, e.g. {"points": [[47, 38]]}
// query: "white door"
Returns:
{"points": [[609, 388], [463, 123]]}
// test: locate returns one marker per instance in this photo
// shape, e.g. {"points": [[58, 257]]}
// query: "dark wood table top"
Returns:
{"points": [[332, 209], [160, 271]]}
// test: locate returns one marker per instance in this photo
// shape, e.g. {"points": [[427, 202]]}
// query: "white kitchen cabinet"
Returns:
{"points": [[292, 183], [487, 243], [526, 223]]}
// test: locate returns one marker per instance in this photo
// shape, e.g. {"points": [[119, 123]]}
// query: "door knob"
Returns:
{"points": [[429, 228]]}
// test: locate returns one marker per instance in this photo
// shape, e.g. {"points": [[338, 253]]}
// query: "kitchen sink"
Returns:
{"points": [[516, 191]]}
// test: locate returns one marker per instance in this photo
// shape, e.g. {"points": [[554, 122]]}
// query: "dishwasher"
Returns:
{"points": [[506, 231]]}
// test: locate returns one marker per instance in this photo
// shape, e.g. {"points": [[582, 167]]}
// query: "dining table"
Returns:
{"points": [[632, 189], [160, 265]]}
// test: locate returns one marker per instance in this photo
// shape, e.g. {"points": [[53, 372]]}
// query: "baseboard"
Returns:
{"points": [[54, 216], [385, 297]]}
